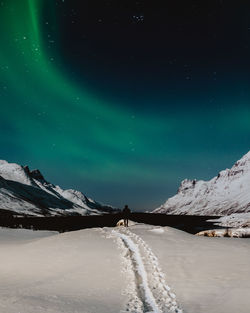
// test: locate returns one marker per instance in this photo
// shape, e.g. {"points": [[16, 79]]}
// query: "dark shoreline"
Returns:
{"points": [[189, 223]]}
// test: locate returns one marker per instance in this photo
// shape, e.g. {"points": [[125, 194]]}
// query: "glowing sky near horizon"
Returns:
{"points": [[86, 129]]}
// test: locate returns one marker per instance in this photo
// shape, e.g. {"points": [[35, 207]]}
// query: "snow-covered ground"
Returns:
{"points": [[243, 232], [77, 272], [140, 269], [233, 220], [207, 275]]}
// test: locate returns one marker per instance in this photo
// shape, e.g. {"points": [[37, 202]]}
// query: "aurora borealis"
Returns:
{"points": [[123, 108]]}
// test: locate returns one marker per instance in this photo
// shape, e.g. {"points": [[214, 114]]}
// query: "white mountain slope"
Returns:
{"points": [[225, 194], [27, 192]]}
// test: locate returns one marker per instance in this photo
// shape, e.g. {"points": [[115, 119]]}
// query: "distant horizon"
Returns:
{"points": [[120, 203]]}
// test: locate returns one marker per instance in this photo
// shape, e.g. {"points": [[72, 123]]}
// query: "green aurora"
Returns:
{"points": [[82, 140]]}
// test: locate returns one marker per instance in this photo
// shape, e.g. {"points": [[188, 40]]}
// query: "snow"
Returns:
{"points": [[159, 230], [136, 270], [207, 274], [234, 220], [27, 192], [229, 232], [62, 273], [154, 294], [17, 236], [121, 223], [226, 194], [12, 171], [141, 270]]}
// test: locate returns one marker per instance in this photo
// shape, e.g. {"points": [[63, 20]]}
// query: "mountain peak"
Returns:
{"points": [[14, 172], [244, 161], [246, 156], [36, 174], [222, 195], [25, 191]]}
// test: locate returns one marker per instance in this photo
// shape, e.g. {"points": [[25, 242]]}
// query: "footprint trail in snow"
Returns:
{"points": [[149, 292]]}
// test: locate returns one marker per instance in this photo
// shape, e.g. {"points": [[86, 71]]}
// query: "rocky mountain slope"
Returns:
{"points": [[225, 194], [27, 192]]}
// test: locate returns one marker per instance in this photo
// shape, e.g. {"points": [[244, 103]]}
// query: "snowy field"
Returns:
{"points": [[110, 270]]}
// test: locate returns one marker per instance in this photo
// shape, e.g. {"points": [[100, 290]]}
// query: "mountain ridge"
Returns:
{"points": [[27, 192], [225, 194]]}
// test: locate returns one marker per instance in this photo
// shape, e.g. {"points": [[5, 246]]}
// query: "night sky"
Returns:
{"points": [[124, 99]]}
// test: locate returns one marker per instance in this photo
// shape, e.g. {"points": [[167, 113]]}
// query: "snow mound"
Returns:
{"points": [[121, 223], [234, 232], [159, 230], [60, 273]]}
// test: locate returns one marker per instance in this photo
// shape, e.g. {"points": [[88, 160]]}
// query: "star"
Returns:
{"points": [[138, 18]]}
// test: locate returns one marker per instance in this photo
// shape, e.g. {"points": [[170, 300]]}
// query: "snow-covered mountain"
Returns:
{"points": [[27, 192], [225, 194]]}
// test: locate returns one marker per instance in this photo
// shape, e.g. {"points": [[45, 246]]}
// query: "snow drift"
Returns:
{"points": [[229, 232]]}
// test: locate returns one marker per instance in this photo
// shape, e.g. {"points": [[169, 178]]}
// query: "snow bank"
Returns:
{"points": [[233, 232], [233, 220], [159, 230]]}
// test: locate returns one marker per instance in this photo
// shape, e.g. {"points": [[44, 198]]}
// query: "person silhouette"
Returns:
{"points": [[126, 213]]}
